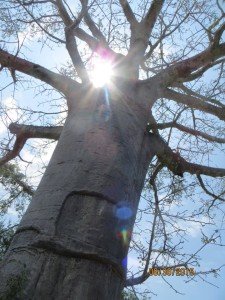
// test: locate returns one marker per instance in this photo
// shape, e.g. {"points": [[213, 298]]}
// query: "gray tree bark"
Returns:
{"points": [[73, 240]]}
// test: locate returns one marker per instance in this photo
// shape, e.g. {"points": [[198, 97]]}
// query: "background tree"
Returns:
{"points": [[159, 117]]}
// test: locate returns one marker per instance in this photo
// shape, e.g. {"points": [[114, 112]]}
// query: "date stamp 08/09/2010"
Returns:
{"points": [[171, 271]]}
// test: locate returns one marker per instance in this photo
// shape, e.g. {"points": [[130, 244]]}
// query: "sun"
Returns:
{"points": [[102, 71]]}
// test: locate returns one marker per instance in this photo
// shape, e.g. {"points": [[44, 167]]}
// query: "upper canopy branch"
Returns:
{"points": [[194, 102], [167, 31], [90, 23], [152, 14], [53, 37], [189, 91], [96, 42], [201, 62], [183, 69], [128, 12], [139, 41], [59, 82], [71, 44], [208, 192]]}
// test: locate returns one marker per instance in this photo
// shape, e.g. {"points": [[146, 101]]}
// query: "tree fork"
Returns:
{"points": [[78, 225]]}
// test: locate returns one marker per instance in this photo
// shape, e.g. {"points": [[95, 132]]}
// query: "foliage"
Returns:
{"points": [[6, 235], [15, 286]]}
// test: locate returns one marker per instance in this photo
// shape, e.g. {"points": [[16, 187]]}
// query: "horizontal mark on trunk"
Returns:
{"points": [[70, 248], [25, 228], [92, 194], [58, 248]]}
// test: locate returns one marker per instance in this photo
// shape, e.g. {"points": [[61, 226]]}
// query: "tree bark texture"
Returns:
{"points": [[73, 240]]}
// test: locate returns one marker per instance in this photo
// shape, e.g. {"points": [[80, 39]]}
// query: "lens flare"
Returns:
{"points": [[102, 71], [124, 264], [123, 210], [124, 235]]}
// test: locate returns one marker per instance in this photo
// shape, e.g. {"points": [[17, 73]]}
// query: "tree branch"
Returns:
{"points": [[59, 82], [188, 91], [202, 70], [18, 146], [180, 71], [152, 14], [91, 24], [128, 12], [24, 132], [63, 12], [195, 102], [41, 27], [93, 43], [208, 192], [31, 131], [177, 164], [139, 41], [187, 130], [96, 43], [71, 44]]}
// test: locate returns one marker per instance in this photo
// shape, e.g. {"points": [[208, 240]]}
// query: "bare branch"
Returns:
{"points": [[63, 12], [188, 130], [31, 131], [208, 192], [152, 14], [71, 44], [59, 82], [128, 12], [163, 36], [91, 24], [18, 146], [145, 274], [93, 43], [24, 132], [177, 164], [218, 35], [195, 102], [41, 27], [189, 91], [183, 69]]}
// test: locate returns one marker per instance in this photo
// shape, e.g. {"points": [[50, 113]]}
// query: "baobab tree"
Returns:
{"points": [[156, 102]]}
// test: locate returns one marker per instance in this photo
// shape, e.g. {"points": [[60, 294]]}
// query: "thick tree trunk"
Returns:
{"points": [[73, 240]]}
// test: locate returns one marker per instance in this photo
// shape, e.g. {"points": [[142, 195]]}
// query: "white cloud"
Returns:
{"points": [[192, 228]]}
